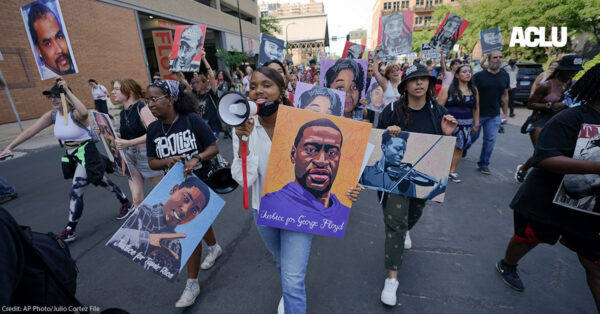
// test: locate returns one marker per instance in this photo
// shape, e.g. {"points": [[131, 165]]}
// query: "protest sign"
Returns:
{"points": [[109, 136], [319, 99], [187, 46]]}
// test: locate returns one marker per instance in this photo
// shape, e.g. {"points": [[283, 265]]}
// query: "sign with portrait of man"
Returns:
{"points": [[271, 48], [396, 34], [352, 51], [166, 228], [186, 51], [109, 136], [491, 39], [48, 38], [315, 159], [319, 99], [429, 53], [410, 164], [448, 33]]}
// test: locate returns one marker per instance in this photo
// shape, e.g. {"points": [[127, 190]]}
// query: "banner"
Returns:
{"points": [[163, 43], [448, 32], [48, 38], [271, 48], [352, 51], [187, 44], [491, 39], [108, 135], [167, 227], [315, 159], [579, 191], [396, 34], [319, 99], [429, 53], [410, 164]]}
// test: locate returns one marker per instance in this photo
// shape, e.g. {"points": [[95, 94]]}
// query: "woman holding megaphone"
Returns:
{"points": [[290, 249], [175, 107]]}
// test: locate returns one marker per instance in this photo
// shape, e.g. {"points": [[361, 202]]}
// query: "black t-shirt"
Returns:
{"points": [[187, 136], [491, 87], [426, 120], [534, 198], [207, 103], [131, 123]]}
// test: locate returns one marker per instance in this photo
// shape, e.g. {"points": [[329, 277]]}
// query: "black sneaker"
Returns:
{"points": [[484, 170], [520, 175], [125, 210], [67, 234], [501, 130], [510, 275]]}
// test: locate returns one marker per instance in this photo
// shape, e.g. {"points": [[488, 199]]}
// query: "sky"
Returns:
{"points": [[344, 16]]}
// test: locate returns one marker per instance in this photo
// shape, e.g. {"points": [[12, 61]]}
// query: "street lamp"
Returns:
{"points": [[286, 37]]}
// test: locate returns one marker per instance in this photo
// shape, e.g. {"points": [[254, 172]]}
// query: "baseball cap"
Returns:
{"points": [[570, 63]]}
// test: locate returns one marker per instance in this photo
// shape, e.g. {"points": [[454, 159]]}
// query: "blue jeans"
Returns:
{"points": [[6, 188], [490, 126], [290, 251]]}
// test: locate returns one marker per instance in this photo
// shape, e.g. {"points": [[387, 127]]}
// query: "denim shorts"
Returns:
{"points": [[137, 159]]}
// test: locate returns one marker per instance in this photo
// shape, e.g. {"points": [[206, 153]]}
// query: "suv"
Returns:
{"points": [[528, 72]]}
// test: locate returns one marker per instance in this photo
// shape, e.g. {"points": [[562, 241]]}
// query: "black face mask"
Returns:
{"points": [[268, 108]]}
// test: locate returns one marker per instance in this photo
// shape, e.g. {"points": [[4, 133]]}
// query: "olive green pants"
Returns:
{"points": [[400, 213]]}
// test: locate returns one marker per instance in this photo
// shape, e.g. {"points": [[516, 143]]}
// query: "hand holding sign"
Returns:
{"points": [[156, 238]]}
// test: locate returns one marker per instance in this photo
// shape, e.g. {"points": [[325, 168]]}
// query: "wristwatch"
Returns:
{"points": [[197, 157]]}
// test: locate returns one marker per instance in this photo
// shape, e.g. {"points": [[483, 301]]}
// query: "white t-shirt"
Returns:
{"points": [[246, 83], [512, 74], [99, 92]]}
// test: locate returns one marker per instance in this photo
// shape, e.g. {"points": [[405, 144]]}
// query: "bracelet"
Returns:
{"points": [[550, 104]]}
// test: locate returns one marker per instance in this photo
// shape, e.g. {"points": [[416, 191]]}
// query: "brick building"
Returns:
{"points": [[111, 39]]}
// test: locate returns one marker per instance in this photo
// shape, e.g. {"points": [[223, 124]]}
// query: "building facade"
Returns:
{"points": [[115, 38], [423, 14], [358, 36]]}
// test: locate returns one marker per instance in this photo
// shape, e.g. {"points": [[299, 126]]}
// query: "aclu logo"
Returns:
{"points": [[536, 37]]}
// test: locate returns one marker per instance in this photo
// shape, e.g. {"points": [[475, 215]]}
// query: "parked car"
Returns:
{"points": [[528, 72]]}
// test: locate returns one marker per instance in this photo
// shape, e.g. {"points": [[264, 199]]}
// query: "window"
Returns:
{"points": [[387, 5], [396, 5], [438, 1], [427, 20], [420, 2], [429, 3], [405, 4], [418, 20]]}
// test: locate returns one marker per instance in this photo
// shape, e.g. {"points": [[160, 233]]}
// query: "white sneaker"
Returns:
{"points": [[407, 241], [388, 295], [280, 309], [213, 253], [190, 293]]}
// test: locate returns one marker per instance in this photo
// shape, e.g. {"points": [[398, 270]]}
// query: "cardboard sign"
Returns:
{"points": [[319, 99], [348, 75], [396, 34], [375, 98], [352, 51], [271, 48], [577, 191], [48, 38], [109, 136], [448, 32], [315, 159], [491, 39], [167, 227], [163, 43], [187, 46], [429, 53], [410, 164]]}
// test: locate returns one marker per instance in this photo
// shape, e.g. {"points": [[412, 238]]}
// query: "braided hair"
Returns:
{"points": [[587, 88]]}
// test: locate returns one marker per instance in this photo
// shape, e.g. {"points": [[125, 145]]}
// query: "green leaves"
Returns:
{"points": [[232, 58], [269, 25]]}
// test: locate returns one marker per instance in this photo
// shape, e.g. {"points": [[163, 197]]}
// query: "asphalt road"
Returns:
{"points": [[449, 270]]}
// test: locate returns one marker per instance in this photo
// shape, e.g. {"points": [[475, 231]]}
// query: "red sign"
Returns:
{"points": [[163, 40]]}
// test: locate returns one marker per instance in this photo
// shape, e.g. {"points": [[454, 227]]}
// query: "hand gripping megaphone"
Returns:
{"points": [[234, 110]]}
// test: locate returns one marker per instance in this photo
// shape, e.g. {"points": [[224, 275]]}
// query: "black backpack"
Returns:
{"points": [[47, 273]]}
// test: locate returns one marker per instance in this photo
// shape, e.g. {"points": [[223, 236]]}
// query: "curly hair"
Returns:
{"points": [[343, 64]]}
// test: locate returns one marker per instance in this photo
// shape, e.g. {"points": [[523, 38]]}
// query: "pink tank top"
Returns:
{"points": [[556, 91]]}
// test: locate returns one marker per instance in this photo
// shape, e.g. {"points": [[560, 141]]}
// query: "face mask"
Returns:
{"points": [[268, 108]]}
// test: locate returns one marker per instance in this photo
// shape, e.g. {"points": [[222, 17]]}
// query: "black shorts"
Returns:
{"points": [[533, 232]]}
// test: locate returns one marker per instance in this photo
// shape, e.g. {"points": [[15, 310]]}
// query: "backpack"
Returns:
{"points": [[93, 135], [47, 273]]}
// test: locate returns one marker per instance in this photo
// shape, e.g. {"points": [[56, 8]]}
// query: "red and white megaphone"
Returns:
{"points": [[234, 110]]}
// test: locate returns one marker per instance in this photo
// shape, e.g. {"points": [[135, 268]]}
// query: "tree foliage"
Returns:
{"points": [[269, 25], [579, 16], [232, 59]]}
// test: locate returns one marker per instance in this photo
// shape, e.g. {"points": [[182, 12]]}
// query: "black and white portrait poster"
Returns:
{"points": [[352, 51], [580, 191], [491, 39], [396, 34], [271, 48], [187, 45], [429, 53], [48, 38], [448, 32], [410, 164]]}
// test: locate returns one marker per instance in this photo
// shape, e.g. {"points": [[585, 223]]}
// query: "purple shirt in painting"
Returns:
{"points": [[294, 208]]}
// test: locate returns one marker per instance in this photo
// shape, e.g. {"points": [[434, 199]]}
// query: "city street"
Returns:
{"points": [[450, 269]]}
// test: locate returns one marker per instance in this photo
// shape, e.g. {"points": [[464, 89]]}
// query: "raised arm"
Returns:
{"points": [[210, 74], [381, 80], [442, 61], [80, 113]]}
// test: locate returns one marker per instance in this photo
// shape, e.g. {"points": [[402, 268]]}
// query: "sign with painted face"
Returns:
{"points": [[448, 33], [491, 39], [271, 48], [187, 47]]}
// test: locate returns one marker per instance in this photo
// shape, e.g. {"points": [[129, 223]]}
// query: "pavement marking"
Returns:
{"points": [[460, 300], [443, 251]]}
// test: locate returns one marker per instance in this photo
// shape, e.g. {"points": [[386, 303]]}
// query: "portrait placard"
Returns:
{"points": [[491, 39], [578, 191], [271, 48], [108, 135], [353, 51], [315, 159], [448, 32], [396, 34], [374, 96], [348, 75], [429, 53], [319, 99], [187, 46], [167, 227], [48, 38], [410, 164]]}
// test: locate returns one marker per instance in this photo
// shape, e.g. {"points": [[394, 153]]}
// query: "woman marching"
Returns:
{"points": [[135, 117], [178, 123], [462, 102], [547, 101], [83, 161], [290, 249], [415, 111]]}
